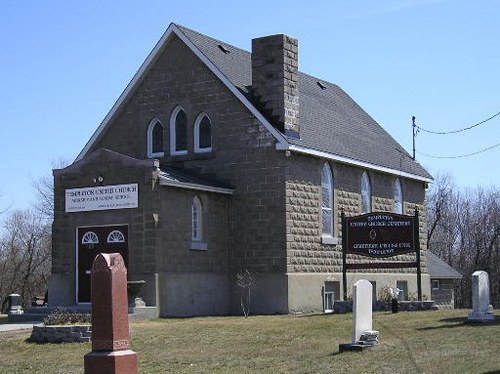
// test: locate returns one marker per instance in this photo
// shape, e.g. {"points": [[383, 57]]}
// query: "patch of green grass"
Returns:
{"points": [[418, 342]]}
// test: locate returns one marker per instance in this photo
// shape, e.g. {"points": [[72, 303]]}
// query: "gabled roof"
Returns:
{"points": [[332, 125], [438, 269]]}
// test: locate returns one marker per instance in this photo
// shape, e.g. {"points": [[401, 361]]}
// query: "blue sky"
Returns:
{"points": [[65, 62]]}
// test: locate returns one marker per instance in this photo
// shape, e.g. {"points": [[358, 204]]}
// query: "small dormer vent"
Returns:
{"points": [[223, 49]]}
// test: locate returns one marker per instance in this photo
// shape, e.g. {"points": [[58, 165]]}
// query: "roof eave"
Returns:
{"points": [[195, 186], [350, 161], [445, 276]]}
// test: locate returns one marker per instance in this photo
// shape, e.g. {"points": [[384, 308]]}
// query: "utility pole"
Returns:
{"points": [[414, 134]]}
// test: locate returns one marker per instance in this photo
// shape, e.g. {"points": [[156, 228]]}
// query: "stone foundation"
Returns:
{"points": [[61, 334]]}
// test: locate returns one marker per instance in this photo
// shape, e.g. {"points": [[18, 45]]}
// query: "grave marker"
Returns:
{"points": [[362, 334], [481, 298], [111, 352]]}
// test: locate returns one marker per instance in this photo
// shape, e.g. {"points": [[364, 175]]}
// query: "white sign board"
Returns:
{"points": [[120, 196]]}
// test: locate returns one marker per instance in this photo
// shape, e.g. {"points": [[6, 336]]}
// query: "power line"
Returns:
{"points": [[462, 156], [459, 130]]}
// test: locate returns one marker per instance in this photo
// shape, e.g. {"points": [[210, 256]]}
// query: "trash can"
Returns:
{"points": [[14, 304]]}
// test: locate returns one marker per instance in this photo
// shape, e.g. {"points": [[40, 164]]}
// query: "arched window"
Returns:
{"points": [[366, 194], [202, 134], [178, 132], [116, 236], [196, 220], [155, 139], [90, 237], [398, 197], [327, 201]]}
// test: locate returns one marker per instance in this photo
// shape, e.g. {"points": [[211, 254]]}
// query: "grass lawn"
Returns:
{"points": [[410, 342]]}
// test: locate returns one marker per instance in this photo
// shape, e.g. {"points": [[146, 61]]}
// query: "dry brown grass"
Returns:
{"points": [[418, 342]]}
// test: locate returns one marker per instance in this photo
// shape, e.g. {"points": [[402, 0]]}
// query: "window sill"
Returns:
{"points": [[178, 153], [327, 239], [156, 155], [199, 246]]}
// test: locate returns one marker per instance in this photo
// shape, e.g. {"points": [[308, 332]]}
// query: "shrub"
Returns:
{"points": [[62, 317]]}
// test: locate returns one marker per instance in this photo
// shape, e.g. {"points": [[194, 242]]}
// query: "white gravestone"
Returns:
{"points": [[481, 298], [361, 308]]}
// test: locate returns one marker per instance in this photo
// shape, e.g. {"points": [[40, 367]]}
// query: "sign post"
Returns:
{"points": [[344, 254], [380, 235], [417, 243]]}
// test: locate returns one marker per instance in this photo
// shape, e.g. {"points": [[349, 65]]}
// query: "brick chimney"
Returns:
{"points": [[275, 80]]}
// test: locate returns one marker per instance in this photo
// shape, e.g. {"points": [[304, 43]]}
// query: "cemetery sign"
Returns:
{"points": [[380, 234]]}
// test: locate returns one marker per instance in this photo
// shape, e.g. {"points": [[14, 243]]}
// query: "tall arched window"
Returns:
{"points": [[398, 197], [196, 220], [366, 194], [327, 201], [155, 138], [202, 134], [178, 132]]}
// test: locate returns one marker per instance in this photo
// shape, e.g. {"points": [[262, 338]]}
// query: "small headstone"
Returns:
{"points": [[14, 304], [362, 334], [111, 352], [481, 310]]}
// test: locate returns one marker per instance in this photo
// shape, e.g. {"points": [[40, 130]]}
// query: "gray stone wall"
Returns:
{"points": [[139, 220], [175, 253], [271, 225], [306, 252], [243, 155]]}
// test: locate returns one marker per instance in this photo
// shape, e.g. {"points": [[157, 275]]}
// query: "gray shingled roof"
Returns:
{"points": [[179, 175], [330, 121], [438, 269]]}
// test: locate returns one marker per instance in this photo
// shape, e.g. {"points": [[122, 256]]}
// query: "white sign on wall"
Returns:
{"points": [[120, 196]]}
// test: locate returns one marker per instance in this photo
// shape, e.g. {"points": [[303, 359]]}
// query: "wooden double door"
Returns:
{"points": [[94, 240]]}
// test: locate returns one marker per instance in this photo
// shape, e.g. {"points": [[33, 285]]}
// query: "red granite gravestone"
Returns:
{"points": [[111, 352]]}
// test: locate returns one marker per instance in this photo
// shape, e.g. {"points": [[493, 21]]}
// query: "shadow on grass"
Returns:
{"points": [[492, 372], [460, 322]]}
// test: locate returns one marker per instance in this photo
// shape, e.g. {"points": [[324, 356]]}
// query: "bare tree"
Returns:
{"points": [[464, 230], [245, 281], [44, 188], [24, 255]]}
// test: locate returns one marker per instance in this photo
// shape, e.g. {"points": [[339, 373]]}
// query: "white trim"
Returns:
{"points": [[328, 239], [193, 186], [198, 246], [345, 160], [149, 135], [173, 29], [173, 132], [197, 122]]}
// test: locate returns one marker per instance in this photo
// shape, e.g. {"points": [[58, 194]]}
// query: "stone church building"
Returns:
{"points": [[215, 160]]}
